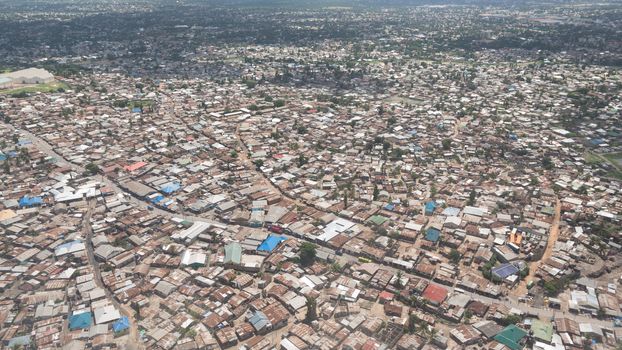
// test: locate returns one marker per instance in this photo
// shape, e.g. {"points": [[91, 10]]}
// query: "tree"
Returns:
{"points": [[472, 195], [547, 163], [446, 144], [311, 310], [335, 267], [345, 199], [307, 253], [468, 314], [380, 231], [511, 319], [279, 103], [302, 160], [413, 322], [376, 192], [398, 280], [454, 256], [91, 168]]}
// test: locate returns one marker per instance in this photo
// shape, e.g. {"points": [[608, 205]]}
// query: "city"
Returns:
{"points": [[259, 174]]}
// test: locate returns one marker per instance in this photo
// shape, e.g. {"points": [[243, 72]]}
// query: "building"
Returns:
{"points": [[25, 76]]}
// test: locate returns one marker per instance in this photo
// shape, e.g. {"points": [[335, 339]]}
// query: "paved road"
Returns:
{"points": [[510, 301]]}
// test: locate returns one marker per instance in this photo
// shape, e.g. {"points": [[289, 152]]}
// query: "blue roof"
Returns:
{"points": [[121, 324], [157, 199], [19, 341], [451, 211], [24, 142], [389, 206], [270, 243], [170, 187], [432, 234], [80, 321], [67, 246], [504, 270], [3, 156], [596, 142], [137, 110], [28, 201], [259, 320], [430, 207]]}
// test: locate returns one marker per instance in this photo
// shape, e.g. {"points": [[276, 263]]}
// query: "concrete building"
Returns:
{"points": [[25, 76]]}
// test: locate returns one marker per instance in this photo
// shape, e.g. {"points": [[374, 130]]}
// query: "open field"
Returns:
{"points": [[49, 87]]}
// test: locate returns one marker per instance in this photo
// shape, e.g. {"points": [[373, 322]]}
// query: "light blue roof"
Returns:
{"points": [[28, 201], [121, 324], [170, 187], [259, 320], [19, 341], [80, 321], [451, 211], [270, 243]]}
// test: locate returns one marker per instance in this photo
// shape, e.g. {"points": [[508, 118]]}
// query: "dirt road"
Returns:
{"points": [[521, 289], [133, 342]]}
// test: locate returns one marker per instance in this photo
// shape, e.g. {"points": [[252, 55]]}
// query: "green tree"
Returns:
{"points": [[413, 323], [91, 168], [398, 280], [511, 319], [307, 253], [311, 310], [446, 144], [472, 195], [302, 160], [547, 163], [454, 256], [468, 314], [279, 103]]}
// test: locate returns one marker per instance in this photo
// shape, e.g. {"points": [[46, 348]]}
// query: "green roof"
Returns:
{"points": [[548, 210], [511, 336], [378, 219], [542, 330], [233, 253]]}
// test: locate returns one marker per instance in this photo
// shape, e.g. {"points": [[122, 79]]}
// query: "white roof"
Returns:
{"points": [[334, 228], [106, 314]]}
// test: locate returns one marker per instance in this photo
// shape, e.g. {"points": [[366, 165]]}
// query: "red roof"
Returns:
{"points": [[386, 295], [135, 166], [435, 293]]}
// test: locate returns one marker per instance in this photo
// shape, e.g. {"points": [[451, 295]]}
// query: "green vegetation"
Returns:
{"points": [[486, 269], [55, 86], [91, 169], [131, 104], [311, 310], [307, 253], [615, 158], [454, 256], [510, 319], [592, 159]]}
